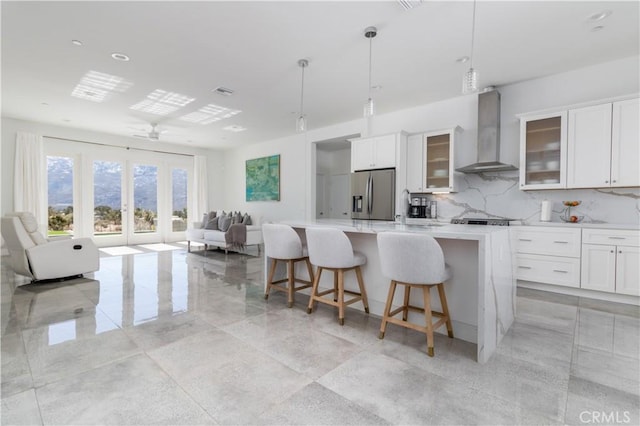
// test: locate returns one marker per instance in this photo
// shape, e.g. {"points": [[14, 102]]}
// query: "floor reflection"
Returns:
{"points": [[127, 291], [170, 337]]}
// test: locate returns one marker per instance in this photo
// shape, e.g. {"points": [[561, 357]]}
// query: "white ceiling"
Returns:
{"points": [[253, 48]]}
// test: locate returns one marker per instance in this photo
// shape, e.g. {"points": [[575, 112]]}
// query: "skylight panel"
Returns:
{"points": [[210, 114], [98, 87], [161, 102]]}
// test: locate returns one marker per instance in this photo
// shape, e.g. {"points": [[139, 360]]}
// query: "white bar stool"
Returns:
{"points": [[282, 244], [414, 260], [330, 249]]}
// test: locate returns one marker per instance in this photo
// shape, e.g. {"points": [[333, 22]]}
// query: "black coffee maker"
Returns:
{"points": [[418, 207]]}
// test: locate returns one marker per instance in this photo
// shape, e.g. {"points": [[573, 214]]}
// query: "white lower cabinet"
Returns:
{"points": [[611, 261], [547, 255], [605, 260]]}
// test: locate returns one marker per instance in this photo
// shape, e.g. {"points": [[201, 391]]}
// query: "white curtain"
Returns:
{"points": [[29, 192], [200, 203]]}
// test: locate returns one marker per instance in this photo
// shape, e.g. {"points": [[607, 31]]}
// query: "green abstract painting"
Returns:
{"points": [[263, 179]]}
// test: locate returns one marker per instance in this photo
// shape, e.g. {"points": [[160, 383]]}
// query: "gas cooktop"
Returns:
{"points": [[480, 221]]}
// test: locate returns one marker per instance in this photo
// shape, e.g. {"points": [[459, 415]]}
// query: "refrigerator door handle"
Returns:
{"points": [[370, 195]]}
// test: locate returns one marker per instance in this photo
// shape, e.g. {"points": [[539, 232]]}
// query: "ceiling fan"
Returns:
{"points": [[153, 134]]}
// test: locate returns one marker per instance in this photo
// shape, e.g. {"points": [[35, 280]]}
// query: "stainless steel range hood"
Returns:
{"points": [[488, 136]]}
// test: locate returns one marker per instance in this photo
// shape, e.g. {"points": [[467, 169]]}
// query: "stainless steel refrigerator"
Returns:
{"points": [[373, 194]]}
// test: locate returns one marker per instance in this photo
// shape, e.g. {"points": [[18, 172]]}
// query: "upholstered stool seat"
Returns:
{"points": [[330, 249], [282, 244], [414, 261]]}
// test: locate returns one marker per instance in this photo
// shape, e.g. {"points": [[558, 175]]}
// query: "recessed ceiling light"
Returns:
{"points": [[234, 128], [120, 57], [599, 16], [462, 60], [76, 42], [596, 29]]}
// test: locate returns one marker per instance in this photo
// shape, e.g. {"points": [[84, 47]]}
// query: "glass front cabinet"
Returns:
{"points": [[543, 151]]}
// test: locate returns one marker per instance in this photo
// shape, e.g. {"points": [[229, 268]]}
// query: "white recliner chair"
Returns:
{"points": [[39, 259]]}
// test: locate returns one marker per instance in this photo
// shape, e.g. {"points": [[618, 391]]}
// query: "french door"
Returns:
{"points": [[116, 197], [125, 202]]}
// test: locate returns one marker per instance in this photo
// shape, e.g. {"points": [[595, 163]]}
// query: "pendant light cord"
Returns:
{"points": [[302, 92], [473, 33], [370, 50]]}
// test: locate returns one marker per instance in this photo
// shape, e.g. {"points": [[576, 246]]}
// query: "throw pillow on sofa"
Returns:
{"points": [[224, 223], [206, 218], [246, 219], [213, 224]]}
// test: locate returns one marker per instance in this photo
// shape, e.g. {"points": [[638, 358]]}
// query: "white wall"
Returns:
{"points": [[482, 195]]}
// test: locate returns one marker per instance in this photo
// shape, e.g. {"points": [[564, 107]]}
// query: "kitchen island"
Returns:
{"points": [[481, 293]]}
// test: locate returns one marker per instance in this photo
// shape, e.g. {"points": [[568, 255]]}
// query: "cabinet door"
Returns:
{"points": [[415, 163], [439, 162], [362, 154], [598, 267], [543, 151], [589, 147], [625, 149], [384, 152], [628, 270]]}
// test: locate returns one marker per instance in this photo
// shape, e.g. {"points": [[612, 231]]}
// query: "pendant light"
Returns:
{"points": [[301, 122], [369, 107], [470, 79]]}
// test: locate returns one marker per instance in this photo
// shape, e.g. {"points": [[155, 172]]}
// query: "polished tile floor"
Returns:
{"points": [[169, 337]]}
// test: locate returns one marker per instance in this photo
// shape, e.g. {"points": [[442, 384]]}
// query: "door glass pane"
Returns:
{"points": [[107, 198], [543, 151], [145, 198], [60, 195], [179, 201]]}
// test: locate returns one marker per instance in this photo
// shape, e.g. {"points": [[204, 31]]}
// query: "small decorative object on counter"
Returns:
{"points": [[545, 211], [566, 215]]}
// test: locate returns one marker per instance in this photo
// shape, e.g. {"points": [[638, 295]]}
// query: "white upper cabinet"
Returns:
{"points": [[603, 145], [592, 147], [589, 147], [430, 161], [625, 143], [543, 151], [438, 157], [415, 163], [373, 153]]}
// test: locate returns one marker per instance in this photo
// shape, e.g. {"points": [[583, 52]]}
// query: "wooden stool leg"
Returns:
{"points": [[445, 308], [405, 310], [335, 285], [387, 309], [428, 318], [341, 296], [291, 271], [309, 269], [314, 289], [272, 271], [365, 302]]}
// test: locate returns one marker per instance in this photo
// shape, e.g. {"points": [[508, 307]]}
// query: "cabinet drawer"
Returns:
{"points": [[618, 237], [547, 241], [548, 270]]}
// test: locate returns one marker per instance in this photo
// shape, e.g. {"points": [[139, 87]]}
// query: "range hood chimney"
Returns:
{"points": [[488, 136]]}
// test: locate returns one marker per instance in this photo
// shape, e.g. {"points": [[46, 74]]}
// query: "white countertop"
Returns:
{"points": [[437, 230]]}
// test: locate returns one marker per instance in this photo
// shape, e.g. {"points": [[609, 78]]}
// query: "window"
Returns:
{"points": [[60, 195]]}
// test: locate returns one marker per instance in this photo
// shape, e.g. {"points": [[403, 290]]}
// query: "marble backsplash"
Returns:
{"points": [[496, 195]]}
